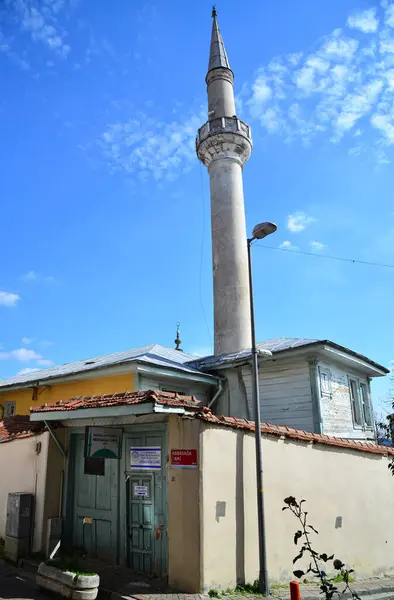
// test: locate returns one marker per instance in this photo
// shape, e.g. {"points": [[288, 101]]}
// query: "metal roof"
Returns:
{"points": [[276, 345], [154, 354], [217, 53]]}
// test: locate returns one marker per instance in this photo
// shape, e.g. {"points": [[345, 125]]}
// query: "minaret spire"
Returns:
{"points": [[178, 340], [224, 144], [217, 54]]}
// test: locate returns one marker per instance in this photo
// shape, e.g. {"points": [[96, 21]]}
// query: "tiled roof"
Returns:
{"points": [[294, 434], [17, 427], [154, 354], [276, 345], [122, 399]]}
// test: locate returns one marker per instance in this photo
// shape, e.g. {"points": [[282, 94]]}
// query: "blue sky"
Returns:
{"points": [[105, 208]]}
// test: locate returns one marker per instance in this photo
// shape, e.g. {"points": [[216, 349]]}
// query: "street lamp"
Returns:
{"points": [[260, 231]]}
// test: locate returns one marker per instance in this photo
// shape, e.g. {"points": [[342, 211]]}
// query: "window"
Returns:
{"points": [[9, 409], [355, 402], [365, 404], [325, 382], [174, 390]]}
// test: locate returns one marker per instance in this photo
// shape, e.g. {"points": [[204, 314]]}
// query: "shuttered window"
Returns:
{"points": [[9, 409], [366, 406], [355, 402]]}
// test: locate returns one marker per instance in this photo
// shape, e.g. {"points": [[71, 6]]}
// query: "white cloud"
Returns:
{"points": [[341, 85], [41, 23], [44, 362], [316, 245], [22, 354], [8, 299], [27, 340], [298, 221], [150, 147], [389, 15], [365, 21], [384, 124], [34, 276], [30, 276], [286, 245], [46, 343]]}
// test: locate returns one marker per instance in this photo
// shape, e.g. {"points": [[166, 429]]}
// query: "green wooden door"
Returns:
{"points": [[147, 509], [96, 503]]}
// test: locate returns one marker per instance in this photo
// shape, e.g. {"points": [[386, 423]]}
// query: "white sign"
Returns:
{"points": [[140, 490], [104, 442], [145, 457]]}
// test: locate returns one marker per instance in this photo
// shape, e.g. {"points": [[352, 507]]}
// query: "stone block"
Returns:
{"points": [[67, 584]]}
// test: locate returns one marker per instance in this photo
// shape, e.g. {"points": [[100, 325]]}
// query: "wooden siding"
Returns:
{"points": [[336, 407], [190, 388], [285, 393]]}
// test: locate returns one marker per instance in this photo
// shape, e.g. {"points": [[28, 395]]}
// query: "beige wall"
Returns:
{"points": [[23, 470], [183, 509], [335, 482], [54, 482]]}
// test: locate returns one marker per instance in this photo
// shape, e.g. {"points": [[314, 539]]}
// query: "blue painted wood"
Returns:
{"points": [[96, 498], [147, 516]]}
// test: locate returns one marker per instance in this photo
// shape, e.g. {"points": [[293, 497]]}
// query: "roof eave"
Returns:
{"points": [[122, 410]]}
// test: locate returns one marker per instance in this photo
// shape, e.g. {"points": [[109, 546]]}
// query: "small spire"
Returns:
{"points": [[178, 340], [217, 54]]}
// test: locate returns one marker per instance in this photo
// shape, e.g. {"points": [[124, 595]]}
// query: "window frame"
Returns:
{"points": [[325, 371], [363, 402], [7, 405], [366, 404]]}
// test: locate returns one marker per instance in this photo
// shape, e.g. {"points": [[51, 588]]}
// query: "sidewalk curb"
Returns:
{"points": [[382, 589]]}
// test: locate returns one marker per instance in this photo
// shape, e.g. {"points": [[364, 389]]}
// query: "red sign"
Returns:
{"points": [[184, 459]]}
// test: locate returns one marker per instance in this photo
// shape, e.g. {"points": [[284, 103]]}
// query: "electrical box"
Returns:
{"points": [[19, 508]]}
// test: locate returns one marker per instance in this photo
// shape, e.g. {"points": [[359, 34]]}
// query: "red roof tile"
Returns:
{"points": [[121, 399], [17, 427], [294, 434], [204, 413]]}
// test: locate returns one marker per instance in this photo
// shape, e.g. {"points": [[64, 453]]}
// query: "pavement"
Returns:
{"points": [[17, 585], [118, 583]]}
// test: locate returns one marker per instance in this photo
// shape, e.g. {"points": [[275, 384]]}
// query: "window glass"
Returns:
{"points": [[365, 404], [355, 401]]}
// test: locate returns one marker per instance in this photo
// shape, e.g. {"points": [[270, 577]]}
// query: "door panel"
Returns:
{"points": [[147, 522], [95, 497]]}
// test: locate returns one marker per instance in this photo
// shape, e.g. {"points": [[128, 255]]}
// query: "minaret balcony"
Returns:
{"points": [[224, 136]]}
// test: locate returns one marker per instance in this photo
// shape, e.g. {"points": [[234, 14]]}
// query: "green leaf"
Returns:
{"points": [[298, 574], [323, 557], [298, 557], [297, 536]]}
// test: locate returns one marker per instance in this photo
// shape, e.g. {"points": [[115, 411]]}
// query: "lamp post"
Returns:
{"points": [[259, 232]]}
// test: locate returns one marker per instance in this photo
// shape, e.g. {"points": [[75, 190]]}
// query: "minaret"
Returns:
{"points": [[224, 144]]}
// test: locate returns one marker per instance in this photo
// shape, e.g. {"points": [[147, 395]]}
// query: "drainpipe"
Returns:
{"points": [[216, 396]]}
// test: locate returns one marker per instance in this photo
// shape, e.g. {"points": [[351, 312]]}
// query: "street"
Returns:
{"points": [[15, 585]]}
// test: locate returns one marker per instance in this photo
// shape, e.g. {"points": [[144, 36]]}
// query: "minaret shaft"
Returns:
{"points": [[224, 144]]}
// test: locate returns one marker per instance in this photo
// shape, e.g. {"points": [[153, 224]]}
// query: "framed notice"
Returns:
{"points": [[103, 442], [184, 459], [147, 458]]}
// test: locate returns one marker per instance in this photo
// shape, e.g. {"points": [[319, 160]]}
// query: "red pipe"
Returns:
{"points": [[295, 593]]}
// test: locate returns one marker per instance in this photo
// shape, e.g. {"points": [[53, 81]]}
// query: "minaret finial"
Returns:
{"points": [[178, 340], [214, 13]]}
